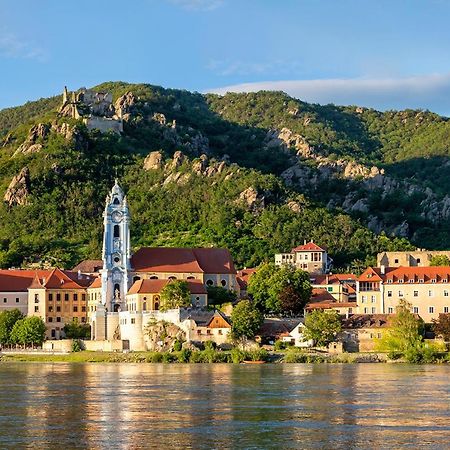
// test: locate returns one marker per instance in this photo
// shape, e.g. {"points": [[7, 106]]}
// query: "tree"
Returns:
{"points": [[440, 260], [259, 284], [217, 295], [7, 321], [280, 289], [75, 330], [441, 326], [28, 331], [246, 320], [175, 294], [405, 332], [322, 326]]}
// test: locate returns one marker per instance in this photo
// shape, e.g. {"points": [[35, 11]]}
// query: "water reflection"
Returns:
{"points": [[223, 406]]}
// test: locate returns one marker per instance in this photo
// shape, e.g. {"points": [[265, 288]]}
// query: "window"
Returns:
{"points": [[36, 309], [83, 319], [199, 331], [75, 309], [83, 309], [66, 297], [172, 278], [430, 293], [396, 261], [363, 299], [58, 319], [400, 293], [153, 277], [58, 297], [420, 280], [50, 319], [416, 310], [133, 321], [433, 280], [431, 309], [389, 280], [411, 280], [144, 306], [75, 297], [17, 300], [389, 293], [156, 306], [4, 300], [220, 331], [400, 280], [416, 293], [350, 310], [83, 297], [58, 308], [446, 309], [373, 310], [373, 299], [136, 278], [53, 333], [379, 335], [418, 260], [50, 309], [209, 282], [366, 310], [330, 289], [116, 231], [208, 331], [445, 293], [36, 298], [223, 283], [390, 310]]}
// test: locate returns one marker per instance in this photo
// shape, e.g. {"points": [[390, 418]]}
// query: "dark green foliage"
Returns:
{"points": [[29, 331], [175, 294], [62, 222], [7, 322], [75, 330], [246, 320], [217, 295]]}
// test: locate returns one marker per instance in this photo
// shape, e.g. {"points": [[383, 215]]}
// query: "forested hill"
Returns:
{"points": [[257, 173]]}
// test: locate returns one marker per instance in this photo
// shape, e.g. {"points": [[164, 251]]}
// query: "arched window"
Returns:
{"points": [[136, 278], [210, 282], [153, 277], [172, 278], [144, 306], [223, 283], [190, 278], [156, 306], [116, 231], [116, 201]]}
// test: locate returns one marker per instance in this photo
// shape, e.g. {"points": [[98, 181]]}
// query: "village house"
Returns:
{"points": [[324, 300], [242, 278], [309, 257], [379, 290], [202, 326]]}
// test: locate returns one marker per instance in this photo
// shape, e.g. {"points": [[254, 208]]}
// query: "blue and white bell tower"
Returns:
{"points": [[116, 253]]}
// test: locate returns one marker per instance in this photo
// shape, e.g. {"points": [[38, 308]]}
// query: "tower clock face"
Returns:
{"points": [[116, 216]]}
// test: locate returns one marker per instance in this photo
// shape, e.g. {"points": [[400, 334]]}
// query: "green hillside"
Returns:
{"points": [[245, 203]]}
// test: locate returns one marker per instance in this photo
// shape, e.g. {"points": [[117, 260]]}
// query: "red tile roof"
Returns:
{"points": [[243, 276], [399, 275], [19, 280], [97, 283], [336, 278], [183, 260], [89, 266], [322, 299], [370, 274], [155, 286], [309, 247]]}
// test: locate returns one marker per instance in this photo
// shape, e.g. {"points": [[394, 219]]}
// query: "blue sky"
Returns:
{"points": [[376, 53]]}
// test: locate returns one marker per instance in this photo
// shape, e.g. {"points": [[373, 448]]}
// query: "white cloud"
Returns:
{"points": [[426, 91], [11, 46], [198, 5]]}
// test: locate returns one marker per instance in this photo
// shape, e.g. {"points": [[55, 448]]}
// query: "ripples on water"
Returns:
{"points": [[130, 406]]}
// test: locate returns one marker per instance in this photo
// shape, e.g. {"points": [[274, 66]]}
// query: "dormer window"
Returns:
{"points": [[433, 280], [389, 280], [400, 280], [411, 280], [421, 280], [444, 280]]}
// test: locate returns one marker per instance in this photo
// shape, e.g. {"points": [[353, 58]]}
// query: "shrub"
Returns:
{"points": [[237, 356], [155, 357], [177, 345], [279, 345], [168, 357], [185, 355], [76, 345]]}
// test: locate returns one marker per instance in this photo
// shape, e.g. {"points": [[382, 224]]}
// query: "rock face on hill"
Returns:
{"points": [[19, 189]]}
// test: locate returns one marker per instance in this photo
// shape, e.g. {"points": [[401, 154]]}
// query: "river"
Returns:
{"points": [[130, 406]]}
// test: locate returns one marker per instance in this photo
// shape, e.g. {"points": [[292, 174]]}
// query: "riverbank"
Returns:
{"points": [[185, 356]]}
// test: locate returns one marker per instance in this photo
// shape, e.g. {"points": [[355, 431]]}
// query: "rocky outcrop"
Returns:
{"points": [[160, 118], [71, 133], [200, 166], [161, 336], [37, 133], [198, 144], [178, 159], [124, 105], [252, 199], [153, 161], [19, 189]]}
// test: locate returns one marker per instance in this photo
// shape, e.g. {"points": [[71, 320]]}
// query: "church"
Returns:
{"points": [[125, 295]]}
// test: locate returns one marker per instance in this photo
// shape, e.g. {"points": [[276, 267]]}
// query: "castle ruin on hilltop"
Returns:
{"points": [[96, 109]]}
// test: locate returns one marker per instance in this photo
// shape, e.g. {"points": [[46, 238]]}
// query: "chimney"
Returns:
{"points": [[304, 242], [79, 274], [383, 269]]}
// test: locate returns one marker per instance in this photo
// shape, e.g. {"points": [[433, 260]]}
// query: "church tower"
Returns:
{"points": [[116, 253]]}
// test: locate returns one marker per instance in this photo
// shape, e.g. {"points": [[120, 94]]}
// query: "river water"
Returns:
{"points": [[128, 406]]}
